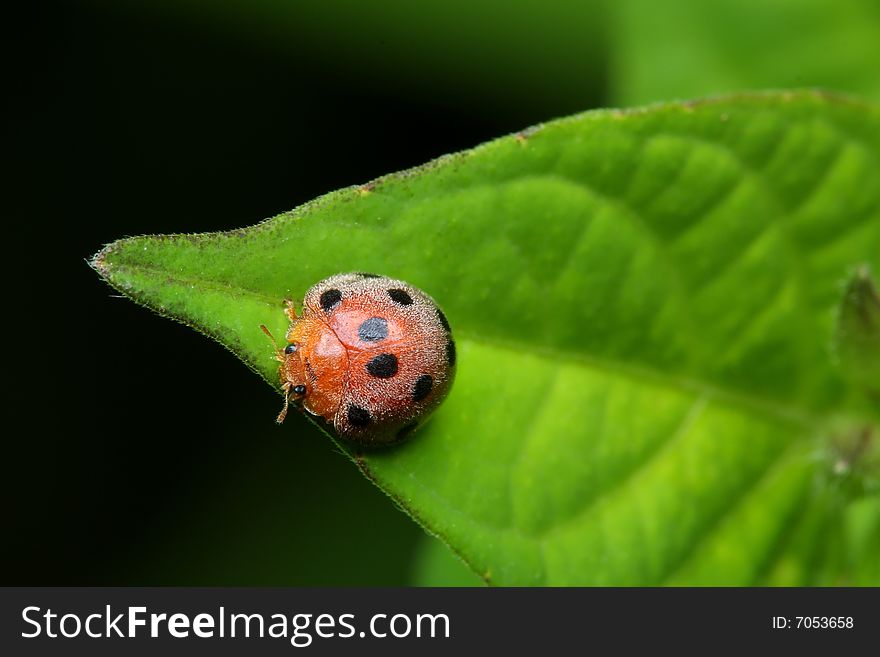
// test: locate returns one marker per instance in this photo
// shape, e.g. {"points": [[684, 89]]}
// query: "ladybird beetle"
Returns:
{"points": [[372, 355]]}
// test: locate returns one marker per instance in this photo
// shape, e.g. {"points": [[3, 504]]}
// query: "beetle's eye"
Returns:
{"points": [[289, 349], [299, 390]]}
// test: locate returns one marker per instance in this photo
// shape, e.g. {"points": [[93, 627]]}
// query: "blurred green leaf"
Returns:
{"points": [[862, 536], [858, 332], [644, 303], [687, 48]]}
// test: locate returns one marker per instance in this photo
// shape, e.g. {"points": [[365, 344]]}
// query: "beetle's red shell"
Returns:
{"points": [[375, 355]]}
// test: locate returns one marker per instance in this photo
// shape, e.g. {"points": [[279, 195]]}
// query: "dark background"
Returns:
{"points": [[137, 451]]}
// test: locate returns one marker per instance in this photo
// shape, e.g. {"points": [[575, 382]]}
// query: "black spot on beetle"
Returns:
{"points": [[329, 299], [423, 387], [403, 432], [443, 321], [364, 274], [400, 296], [373, 329], [450, 352], [383, 366], [357, 416]]}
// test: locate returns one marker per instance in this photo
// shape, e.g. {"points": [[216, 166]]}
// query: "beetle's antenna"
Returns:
{"points": [[278, 354], [283, 413]]}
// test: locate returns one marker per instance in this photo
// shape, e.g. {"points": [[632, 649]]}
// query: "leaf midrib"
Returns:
{"points": [[752, 403]]}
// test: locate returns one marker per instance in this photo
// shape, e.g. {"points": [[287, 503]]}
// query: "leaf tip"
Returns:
{"points": [[99, 262]]}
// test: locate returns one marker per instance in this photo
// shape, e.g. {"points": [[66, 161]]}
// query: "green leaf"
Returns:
{"points": [[435, 565], [858, 332], [644, 304], [687, 48]]}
